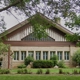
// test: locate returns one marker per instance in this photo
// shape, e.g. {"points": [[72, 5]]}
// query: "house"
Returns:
{"points": [[23, 44]]}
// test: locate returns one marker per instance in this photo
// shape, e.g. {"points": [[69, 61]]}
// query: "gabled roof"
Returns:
{"points": [[58, 26]]}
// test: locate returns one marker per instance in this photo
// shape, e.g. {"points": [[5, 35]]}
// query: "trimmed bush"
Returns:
{"points": [[54, 59], [60, 71], [22, 66], [75, 72], [39, 71], [61, 64], [47, 71], [42, 64], [22, 71], [28, 60], [4, 71]]}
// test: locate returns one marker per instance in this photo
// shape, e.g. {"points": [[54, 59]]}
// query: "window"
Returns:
{"points": [[16, 55], [31, 53], [66, 55], [52, 53], [38, 55], [59, 53], [23, 55], [45, 55]]}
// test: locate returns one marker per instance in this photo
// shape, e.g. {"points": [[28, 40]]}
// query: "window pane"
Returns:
{"points": [[16, 55], [52, 53], [23, 55], [66, 55], [31, 53], [59, 53], [38, 55], [45, 55]]}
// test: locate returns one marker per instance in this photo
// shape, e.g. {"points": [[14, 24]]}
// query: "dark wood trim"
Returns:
{"points": [[9, 57], [40, 44]]}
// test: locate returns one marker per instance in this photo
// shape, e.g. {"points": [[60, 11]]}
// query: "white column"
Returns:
{"points": [[34, 55], [41, 55], [26, 53], [62, 55], [48, 55], [19, 55]]}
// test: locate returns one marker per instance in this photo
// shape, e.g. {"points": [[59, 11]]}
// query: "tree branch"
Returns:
{"points": [[5, 8]]}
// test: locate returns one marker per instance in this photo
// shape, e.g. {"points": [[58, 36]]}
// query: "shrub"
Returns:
{"points": [[76, 57], [61, 64], [39, 71], [4, 71], [42, 64], [54, 59], [60, 71], [28, 60], [22, 71], [75, 72], [22, 66], [47, 71]]}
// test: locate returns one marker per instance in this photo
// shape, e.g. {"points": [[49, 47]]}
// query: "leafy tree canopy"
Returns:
{"points": [[68, 9]]}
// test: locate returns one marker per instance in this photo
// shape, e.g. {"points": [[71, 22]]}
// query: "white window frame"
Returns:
{"points": [[45, 55], [52, 53], [38, 55], [23, 55], [31, 54], [66, 55], [59, 54], [16, 55]]}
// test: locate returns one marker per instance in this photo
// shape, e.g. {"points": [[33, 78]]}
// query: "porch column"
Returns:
{"points": [[63, 55], [41, 55], [34, 55], [19, 55], [48, 55]]}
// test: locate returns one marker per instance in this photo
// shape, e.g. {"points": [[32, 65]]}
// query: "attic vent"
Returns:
{"points": [[31, 37]]}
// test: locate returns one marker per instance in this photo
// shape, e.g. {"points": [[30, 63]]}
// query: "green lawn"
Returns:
{"points": [[39, 77], [52, 70]]}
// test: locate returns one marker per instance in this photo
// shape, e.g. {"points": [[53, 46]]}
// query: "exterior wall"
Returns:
{"points": [[52, 33], [15, 63]]}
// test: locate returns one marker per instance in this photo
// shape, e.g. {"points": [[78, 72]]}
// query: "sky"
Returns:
{"points": [[11, 21]]}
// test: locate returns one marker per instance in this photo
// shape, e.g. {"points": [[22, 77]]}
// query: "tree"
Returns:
{"points": [[76, 57], [3, 48], [68, 9]]}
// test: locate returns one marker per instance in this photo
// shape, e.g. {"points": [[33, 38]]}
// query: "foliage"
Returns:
{"points": [[61, 64], [22, 66], [42, 64], [39, 71], [4, 71], [60, 71], [22, 71], [76, 57], [3, 48], [54, 59], [75, 72], [47, 71], [28, 60], [68, 9]]}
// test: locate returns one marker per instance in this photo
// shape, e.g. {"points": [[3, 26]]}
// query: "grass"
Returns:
{"points": [[52, 70], [39, 77]]}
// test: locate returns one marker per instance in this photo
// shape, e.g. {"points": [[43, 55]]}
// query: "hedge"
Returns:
{"points": [[43, 64]]}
